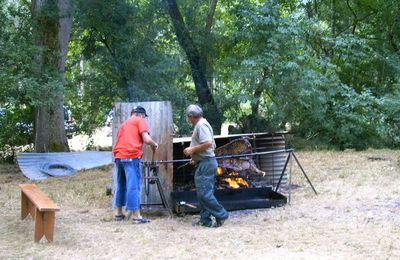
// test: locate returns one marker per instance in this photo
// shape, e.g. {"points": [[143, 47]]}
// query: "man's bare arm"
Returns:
{"points": [[148, 140], [198, 148]]}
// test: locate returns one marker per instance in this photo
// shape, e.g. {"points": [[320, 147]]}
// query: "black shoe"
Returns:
{"points": [[119, 217], [201, 223], [219, 222]]}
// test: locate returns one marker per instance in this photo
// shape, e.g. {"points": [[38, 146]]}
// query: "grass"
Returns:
{"points": [[356, 215]]}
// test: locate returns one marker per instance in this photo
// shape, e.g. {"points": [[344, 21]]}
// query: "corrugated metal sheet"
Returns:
{"points": [[31, 163], [272, 164]]}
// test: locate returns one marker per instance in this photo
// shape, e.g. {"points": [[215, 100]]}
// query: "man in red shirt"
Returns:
{"points": [[131, 136]]}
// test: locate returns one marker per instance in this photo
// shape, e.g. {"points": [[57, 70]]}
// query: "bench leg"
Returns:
{"points": [[38, 226], [49, 225], [24, 205], [27, 207], [44, 225]]}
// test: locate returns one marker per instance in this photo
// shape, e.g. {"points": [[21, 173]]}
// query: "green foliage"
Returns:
{"points": [[16, 81], [388, 119], [16, 131], [325, 89], [21, 88], [120, 51], [328, 73]]}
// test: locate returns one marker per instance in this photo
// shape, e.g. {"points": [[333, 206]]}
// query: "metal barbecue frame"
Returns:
{"points": [[288, 159]]}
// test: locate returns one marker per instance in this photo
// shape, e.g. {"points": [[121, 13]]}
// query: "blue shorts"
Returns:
{"points": [[128, 184]]}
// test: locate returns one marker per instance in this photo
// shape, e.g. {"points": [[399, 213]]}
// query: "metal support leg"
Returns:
{"points": [[290, 180], [160, 191], [305, 175], [291, 153], [283, 171], [162, 195]]}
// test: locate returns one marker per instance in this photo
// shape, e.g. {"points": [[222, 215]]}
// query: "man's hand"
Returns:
{"points": [[149, 141], [192, 162], [188, 151], [154, 147]]}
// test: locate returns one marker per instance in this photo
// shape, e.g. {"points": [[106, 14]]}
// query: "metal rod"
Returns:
{"points": [[283, 171], [162, 196], [231, 156], [175, 161], [290, 180], [146, 179]]}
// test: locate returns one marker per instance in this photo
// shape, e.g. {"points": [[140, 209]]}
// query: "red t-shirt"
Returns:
{"points": [[129, 138]]}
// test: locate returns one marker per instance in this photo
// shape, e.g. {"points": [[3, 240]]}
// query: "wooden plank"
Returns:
{"points": [[38, 197], [49, 219], [31, 209], [24, 205], [39, 224]]}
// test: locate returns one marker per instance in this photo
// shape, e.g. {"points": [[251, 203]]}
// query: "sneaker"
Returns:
{"points": [[140, 220]]}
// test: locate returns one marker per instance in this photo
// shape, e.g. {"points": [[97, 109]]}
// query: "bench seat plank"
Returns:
{"points": [[38, 197]]}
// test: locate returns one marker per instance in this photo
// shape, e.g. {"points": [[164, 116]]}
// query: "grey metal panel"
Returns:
{"points": [[272, 164], [30, 163]]}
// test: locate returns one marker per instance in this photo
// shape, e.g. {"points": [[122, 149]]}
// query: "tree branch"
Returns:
{"points": [[355, 16], [210, 16]]}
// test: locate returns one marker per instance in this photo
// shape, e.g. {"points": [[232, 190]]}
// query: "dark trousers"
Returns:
{"points": [[204, 180]]}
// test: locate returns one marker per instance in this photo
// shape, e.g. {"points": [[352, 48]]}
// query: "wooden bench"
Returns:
{"points": [[41, 208]]}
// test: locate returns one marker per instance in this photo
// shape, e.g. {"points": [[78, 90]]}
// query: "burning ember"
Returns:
{"points": [[232, 179]]}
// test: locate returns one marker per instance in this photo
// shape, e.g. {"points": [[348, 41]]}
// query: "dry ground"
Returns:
{"points": [[355, 216]]}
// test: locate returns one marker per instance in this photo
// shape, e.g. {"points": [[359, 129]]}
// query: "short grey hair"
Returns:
{"points": [[194, 111]]}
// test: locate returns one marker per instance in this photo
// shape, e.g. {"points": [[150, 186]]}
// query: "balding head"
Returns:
{"points": [[194, 111]]}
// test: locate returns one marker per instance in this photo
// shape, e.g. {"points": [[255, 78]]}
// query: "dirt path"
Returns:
{"points": [[355, 216]]}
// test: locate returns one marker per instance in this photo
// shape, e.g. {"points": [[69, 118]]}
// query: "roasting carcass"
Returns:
{"points": [[244, 165]]}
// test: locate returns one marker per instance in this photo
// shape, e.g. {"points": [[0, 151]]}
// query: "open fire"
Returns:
{"points": [[239, 182], [230, 179], [236, 168], [235, 172]]}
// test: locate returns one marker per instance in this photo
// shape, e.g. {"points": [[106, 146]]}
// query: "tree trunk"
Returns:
{"points": [[311, 9], [205, 47], [393, 29], [252, 122], [198, 69], [127, 84], [333, 18], [52, 25]]}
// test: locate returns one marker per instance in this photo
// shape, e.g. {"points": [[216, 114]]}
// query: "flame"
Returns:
{"points": [[234, 180], [234, 183]]}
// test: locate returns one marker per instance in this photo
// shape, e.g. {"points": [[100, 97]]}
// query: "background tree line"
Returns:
{"points": [[327, 71]]}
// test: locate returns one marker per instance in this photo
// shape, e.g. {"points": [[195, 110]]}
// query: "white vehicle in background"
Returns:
{"points": [[69, 122], [109, 118]]}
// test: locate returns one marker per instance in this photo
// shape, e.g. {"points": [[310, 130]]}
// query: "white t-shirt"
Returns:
{"points": [[202, 133]]}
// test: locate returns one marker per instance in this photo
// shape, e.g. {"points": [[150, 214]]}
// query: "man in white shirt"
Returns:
{"points": [[201, 150]]}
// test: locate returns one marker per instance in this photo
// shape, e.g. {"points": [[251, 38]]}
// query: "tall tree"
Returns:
{"points": [[120, 50], [52, 25], [197, 61]]}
